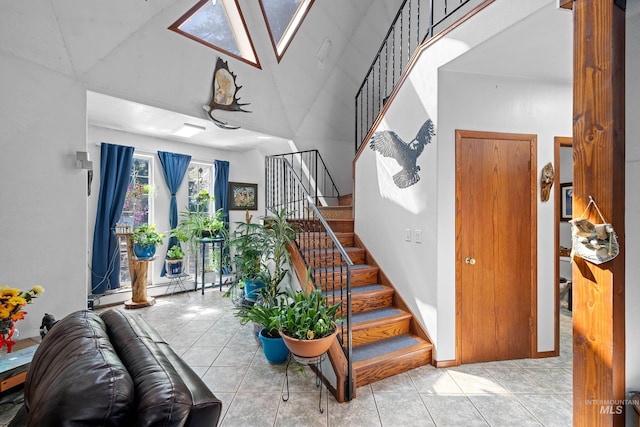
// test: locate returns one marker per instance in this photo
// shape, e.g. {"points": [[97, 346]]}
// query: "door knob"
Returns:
{"points": [[469, 260]]}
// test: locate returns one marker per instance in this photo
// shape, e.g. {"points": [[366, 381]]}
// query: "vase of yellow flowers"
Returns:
{"points": [[11, 302]]}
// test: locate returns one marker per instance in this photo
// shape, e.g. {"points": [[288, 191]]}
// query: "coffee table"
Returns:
{"points": [[14, 365]]}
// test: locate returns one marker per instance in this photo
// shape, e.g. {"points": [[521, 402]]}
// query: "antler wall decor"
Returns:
{"points": [[224, 94]]}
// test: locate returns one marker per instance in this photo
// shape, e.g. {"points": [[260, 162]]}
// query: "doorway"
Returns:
{"points": [[563, 165], [496, 246]]}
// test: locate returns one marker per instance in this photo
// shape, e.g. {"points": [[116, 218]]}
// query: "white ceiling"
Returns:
{"points": [[116, 113], [540, 46]]}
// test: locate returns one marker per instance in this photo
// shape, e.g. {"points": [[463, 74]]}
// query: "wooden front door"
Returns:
{"points": [[496, 236]]}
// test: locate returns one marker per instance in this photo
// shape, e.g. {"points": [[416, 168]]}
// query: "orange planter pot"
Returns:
{"points": [[309, 348]]}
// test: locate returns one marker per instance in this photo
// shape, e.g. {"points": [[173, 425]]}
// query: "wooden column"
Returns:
{"points": [[599, 171], [138, 269]]}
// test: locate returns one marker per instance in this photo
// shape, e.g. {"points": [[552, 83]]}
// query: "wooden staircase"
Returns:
{"points": [[387, 340]]}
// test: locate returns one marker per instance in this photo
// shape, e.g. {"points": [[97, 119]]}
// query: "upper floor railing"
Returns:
{"points": [[416, 22]]}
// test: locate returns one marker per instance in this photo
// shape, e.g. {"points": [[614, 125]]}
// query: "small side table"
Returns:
{"points": [[14, 365]]}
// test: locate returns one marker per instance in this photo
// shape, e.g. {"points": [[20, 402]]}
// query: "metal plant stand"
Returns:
{"points": [[317, 361]]}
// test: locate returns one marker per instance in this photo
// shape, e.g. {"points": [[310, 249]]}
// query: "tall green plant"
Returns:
{"points": [[261, 250]]}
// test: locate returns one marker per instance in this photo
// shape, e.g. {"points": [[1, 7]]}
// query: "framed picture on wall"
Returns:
{"points": [[243, 196], [566, 201]]}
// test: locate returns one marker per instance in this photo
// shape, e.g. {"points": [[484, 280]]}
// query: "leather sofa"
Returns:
{"points": [[112, 369]]}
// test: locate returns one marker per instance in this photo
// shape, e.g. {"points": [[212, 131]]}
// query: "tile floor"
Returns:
{"points": [[204, 331]]}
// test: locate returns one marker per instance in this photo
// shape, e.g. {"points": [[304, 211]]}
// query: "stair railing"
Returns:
{"points": [[407, 32], [313, 173], [321, 250]]}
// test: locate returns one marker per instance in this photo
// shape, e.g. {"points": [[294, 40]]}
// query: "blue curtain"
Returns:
{"points": [[221, 195], [221, 187], [115, 172], [174, 166]]}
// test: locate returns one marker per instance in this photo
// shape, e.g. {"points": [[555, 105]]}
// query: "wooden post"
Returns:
{"points": [[138, 271], [599, 171]]}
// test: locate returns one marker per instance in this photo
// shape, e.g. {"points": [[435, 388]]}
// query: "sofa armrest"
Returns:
{"points": [[77, 378]]}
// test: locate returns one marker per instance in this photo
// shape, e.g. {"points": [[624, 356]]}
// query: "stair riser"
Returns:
{"points": [[393, 366], [346, 200], [335, 212], [380, 332], [323, 241], [371, 301], [314, 226], [332, 258], [359, 277], [366, 301]]}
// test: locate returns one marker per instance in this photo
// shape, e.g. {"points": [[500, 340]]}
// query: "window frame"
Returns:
{"points": [[235, 19], [290, 32]]}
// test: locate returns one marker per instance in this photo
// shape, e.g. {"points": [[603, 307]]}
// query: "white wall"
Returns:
{"points": [[632, 202], [425, 272], [42, 197]]}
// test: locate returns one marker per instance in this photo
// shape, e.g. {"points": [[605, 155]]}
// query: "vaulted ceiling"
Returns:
{"points": [[123, 49], [143, 78]]}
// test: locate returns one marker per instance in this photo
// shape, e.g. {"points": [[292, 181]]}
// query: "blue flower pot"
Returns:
{"points": [[144, 252], [274, 349], [252, 289], [174, 267]]}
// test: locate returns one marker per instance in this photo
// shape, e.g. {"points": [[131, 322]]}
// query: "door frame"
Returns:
{"points": [[534, 183], [559, 141]]}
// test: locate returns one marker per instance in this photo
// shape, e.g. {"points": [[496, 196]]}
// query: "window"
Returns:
{"points": [[199, 177], [283, 18], [218, 24], [137, 207], [135, 211]]}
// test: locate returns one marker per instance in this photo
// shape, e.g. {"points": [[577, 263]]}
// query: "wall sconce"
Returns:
{"points": [[82, 160]]}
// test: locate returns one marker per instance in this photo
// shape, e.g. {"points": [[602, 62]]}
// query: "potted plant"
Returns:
{"points": [[174, 260], [250, 248], [261, 253], [198, 222], [145, 238], [266, 314], [307, 323]]}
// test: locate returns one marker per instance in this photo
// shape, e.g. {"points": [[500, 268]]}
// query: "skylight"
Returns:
{"points": [[283, 18], [218, 24]]}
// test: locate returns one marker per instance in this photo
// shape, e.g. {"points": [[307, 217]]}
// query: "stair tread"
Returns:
{"points": [[389, 345], [380, 313], [342, 267], [346, 248]]}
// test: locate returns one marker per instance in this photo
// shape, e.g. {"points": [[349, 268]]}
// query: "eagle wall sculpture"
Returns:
{"points": [[389, 144]]}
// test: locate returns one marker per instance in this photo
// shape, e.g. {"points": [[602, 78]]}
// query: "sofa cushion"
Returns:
{"points": [[76, 377], [168, 392]]}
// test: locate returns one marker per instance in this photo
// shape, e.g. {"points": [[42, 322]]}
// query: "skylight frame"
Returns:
{"points": [[299, 16], [238, 26]]}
